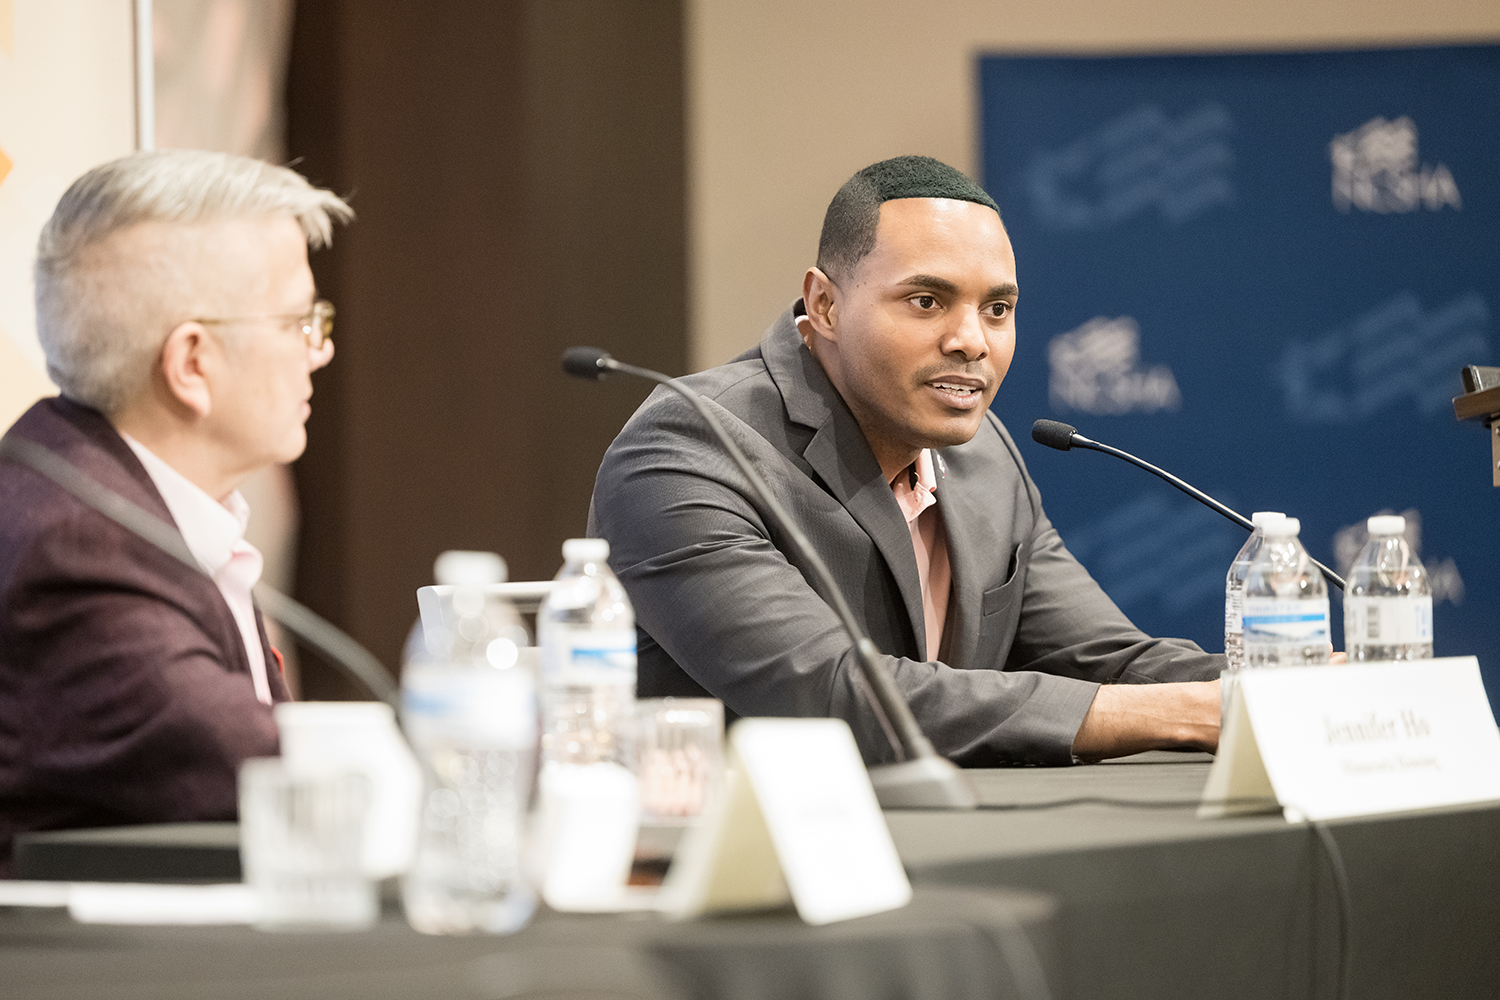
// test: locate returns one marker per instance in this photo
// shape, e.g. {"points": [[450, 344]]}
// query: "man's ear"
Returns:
{"points": [[184, 367], [820, 297]]}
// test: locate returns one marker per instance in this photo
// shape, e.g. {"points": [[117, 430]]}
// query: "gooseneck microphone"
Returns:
{"points": [[923, 779], [1063, 437]]}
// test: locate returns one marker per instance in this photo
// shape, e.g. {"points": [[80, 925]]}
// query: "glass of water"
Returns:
{"points": [[301, 834], [679, 755]]}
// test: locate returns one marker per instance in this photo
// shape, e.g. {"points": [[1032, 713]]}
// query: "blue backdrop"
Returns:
{"points": [[1262, 272]]}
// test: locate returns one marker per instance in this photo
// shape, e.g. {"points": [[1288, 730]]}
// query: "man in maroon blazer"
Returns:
{"points": [[178, 315]]}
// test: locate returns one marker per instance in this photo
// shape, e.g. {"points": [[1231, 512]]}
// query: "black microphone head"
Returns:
{"points": [[1053, 434], [585, 362]]}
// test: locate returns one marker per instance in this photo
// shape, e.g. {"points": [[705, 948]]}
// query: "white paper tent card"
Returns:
{"points": [[797, 820], [1356, 740]]}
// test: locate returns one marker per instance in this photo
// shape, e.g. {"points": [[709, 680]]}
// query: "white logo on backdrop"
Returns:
{"points": [[1096, 369], [1158, 547], [1376, 169], [1447, 584], [1139, 161], [1393, 354]]}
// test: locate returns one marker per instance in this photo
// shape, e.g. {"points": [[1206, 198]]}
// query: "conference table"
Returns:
{"points": [[1085, 882], [1154, 902]]}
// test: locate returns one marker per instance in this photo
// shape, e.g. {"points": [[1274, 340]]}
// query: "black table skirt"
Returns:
{"points": [[1156, 903], [948, 943], [1117, 902]]}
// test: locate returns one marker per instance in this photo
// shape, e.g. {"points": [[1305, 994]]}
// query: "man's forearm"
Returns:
{"points": [[1131, 718]]}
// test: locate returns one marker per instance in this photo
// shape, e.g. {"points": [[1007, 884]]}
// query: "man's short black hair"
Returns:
{"points": [[853, 215]]}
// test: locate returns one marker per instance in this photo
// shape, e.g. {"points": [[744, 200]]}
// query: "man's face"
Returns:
{"points": [[260, 376], [920, 334]]}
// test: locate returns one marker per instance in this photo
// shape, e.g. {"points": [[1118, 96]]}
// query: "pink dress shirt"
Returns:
{"points": [[215, 535], [916, 491]]}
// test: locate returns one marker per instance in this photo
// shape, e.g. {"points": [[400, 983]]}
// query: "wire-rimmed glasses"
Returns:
{"points": [[316, 323]]}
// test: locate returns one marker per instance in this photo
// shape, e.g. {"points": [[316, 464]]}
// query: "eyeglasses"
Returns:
{"points": [[316, 324]]}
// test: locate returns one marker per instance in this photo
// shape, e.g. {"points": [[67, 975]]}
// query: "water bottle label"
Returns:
{"points": [[1275, 620], [587, 657], [1387, 621], [1233, 611], [489, 708]]}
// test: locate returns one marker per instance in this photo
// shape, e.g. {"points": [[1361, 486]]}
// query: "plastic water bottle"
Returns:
{"points": [[589, 806], [586, 629], [1285, 617], [470, 710], [1388, 603], [455, 567], [1234, 588], [1234, 601]]}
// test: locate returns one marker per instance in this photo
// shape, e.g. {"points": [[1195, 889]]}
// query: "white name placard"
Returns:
{"points": [[798, 818], [1357, 740]]}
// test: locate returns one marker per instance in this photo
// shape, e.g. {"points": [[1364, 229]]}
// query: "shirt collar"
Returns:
{"points": [[915, 487], [210, 528], [923, 472]]}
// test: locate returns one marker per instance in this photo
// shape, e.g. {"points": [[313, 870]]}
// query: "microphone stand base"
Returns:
{"points": [[924, 783]]}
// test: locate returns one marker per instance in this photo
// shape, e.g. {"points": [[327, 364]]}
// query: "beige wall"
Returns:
{"points": [[220, 73], [787, 98], [67, 103]]}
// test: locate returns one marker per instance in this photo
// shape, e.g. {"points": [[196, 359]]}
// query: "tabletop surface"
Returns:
{"points": [[926, 838], [1024, 811]]}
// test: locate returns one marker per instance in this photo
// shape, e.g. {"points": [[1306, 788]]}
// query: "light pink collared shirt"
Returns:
{"points": [[915, 488], [215, 535]]}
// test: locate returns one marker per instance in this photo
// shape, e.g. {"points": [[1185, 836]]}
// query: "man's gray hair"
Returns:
{"points": [[100, 339]]}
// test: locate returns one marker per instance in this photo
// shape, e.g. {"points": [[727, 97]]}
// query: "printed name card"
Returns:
{"points": [[798, 819], [1356, 740]]}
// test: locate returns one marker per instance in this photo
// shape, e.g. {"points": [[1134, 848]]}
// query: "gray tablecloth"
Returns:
{"points": [[949, 944], [1149, 903], [1156, 903]]}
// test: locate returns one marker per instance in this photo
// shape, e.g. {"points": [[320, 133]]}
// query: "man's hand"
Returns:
{"points": [[1131, 718]]}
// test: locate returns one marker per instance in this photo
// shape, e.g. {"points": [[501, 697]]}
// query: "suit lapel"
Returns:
{"points": [[105, 457], [987, 548], [275, 678], [963, 518], [840, 455]]}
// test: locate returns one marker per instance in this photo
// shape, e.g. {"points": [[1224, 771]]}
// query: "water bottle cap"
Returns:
{"points": [[459, 568], [1261, 518], [587, 550], [1287, 527], [1386, 524]]}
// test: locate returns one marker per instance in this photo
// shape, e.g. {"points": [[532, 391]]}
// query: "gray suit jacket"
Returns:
{"points": [[723, 606]]}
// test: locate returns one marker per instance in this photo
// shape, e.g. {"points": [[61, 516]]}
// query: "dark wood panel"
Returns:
{"points": [[518, 170]]}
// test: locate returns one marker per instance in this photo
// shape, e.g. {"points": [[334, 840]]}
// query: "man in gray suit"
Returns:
{"points": [[866, 408]]}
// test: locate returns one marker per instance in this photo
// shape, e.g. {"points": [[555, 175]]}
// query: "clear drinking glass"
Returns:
{"points": [[679, 756], [361, 736], [301, 835]]}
